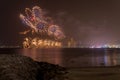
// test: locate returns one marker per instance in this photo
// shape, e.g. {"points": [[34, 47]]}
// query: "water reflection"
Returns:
{"points": [[47, 55], [75, 57]]}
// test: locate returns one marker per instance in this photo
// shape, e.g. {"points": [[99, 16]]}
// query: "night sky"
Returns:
{"points": [[87, 21]]}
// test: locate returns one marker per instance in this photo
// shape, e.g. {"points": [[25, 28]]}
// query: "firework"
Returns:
{"points": [[40, 43], [40, 24]]}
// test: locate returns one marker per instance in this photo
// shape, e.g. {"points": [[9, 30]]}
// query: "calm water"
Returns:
{"points": [[76, 57]]}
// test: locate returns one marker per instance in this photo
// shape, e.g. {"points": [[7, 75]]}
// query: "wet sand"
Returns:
{"points": [[96, 73]]}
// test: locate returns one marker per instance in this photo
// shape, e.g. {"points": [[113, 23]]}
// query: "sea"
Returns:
{"points": [[70, 57]]}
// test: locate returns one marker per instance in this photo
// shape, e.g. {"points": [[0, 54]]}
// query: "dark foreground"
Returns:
{"points": [[96, 73], [17, 67]]}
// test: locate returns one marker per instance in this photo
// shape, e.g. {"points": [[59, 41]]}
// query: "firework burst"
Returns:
{"points": [[39, 24]]}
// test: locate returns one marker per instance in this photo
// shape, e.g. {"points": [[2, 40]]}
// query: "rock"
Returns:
{"points": [[17, 67], [51, 71]]}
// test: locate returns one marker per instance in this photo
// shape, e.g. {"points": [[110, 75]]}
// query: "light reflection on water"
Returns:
{"points": [[75, 57], [46, 55], [72, 57]]}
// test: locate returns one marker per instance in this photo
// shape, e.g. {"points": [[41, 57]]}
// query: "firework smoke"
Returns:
{"points": [[40, 24]]}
